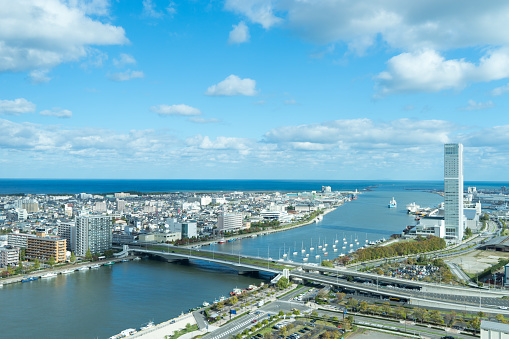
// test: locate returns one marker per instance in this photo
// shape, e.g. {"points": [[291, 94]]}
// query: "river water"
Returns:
{"points": [[101, 302], [367, 218]]}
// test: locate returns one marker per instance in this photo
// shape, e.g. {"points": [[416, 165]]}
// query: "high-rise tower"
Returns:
{"points": [[453, 189], [93, 232]]}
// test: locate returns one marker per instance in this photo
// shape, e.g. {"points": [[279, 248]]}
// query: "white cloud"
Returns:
{"points": [[258, 11], [239, 34], [94, 143], [150, 10], [500, 90], [91, 7], [291, 102], [57, 33], [126, 75], [428, 71], [57, 112], [200, 120], [124, 59], [476, 106], [221, 143], [16, 107], [401, 24], [233, 85], [421, 30], [362, 133], [175, 110], [39, 76]]}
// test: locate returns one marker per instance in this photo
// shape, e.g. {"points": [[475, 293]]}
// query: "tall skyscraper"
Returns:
{"points": [[453, 189], [93, 232]]}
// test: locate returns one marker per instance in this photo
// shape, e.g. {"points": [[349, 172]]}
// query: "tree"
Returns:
{"points": [[327, 263], [51, 261], [386, 307], [475, 323], [73, 257], [19, 269], [22, 254], [468, 232], [500, 318], [340, 296], [283, 283], [353, 303], [234, 300], [436, 317], [37, 264], [88, 255], [363, 306]]}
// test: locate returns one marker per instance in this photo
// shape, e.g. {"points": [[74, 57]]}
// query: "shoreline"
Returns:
{"points": [[260, 233], [58, 270]]}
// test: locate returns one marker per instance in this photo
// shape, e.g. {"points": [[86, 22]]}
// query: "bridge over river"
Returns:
{"points": [[349, 281]]}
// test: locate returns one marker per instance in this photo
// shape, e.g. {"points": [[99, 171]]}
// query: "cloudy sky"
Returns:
{"points": [[252, 89]]}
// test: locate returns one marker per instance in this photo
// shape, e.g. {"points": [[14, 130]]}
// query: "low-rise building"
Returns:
{"points": [[18, 240], [494, 330], [9, 256]]}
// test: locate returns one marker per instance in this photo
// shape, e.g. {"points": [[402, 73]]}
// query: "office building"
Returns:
{"points": [[227, 222], [43, 248], [93, 232], [453, 192]]}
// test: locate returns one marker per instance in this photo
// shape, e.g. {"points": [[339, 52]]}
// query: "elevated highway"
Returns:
{"points": [[360, 282]]}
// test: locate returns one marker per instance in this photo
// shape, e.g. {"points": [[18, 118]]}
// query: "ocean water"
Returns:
{"points": [[73, 186]]}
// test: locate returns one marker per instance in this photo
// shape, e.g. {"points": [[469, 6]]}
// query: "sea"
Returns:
{"points": [[74, 186]]}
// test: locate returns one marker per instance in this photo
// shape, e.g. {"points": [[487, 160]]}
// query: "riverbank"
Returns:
{"points": [[265, 232], [60, 270]]}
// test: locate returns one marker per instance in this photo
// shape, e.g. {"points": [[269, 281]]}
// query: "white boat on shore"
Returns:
{"points": [[95, 266], [137, 258], [49, 275], [83, 268], [67, 271], [147, 326]]}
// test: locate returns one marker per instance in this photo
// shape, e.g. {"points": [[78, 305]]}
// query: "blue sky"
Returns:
{"points": [[252, 89]]}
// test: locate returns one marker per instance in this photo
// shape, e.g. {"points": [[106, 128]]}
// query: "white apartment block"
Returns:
{"points": [[93, 232]]}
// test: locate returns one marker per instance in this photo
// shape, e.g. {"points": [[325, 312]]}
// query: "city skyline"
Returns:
{"points": [[252, 89]]}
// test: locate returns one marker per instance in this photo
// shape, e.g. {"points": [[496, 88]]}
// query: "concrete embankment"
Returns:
{"points": [[166, 328], [57, 270]]}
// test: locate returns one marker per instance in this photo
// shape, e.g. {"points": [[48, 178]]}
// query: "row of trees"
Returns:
{"points": [[421, 245], [419, 314]]}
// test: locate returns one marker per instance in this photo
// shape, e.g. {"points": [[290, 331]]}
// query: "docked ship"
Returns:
{"points": [[412, 208], [392, 203]]}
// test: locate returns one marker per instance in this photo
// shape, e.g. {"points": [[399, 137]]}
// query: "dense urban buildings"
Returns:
{"points": [[453, 191]]}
